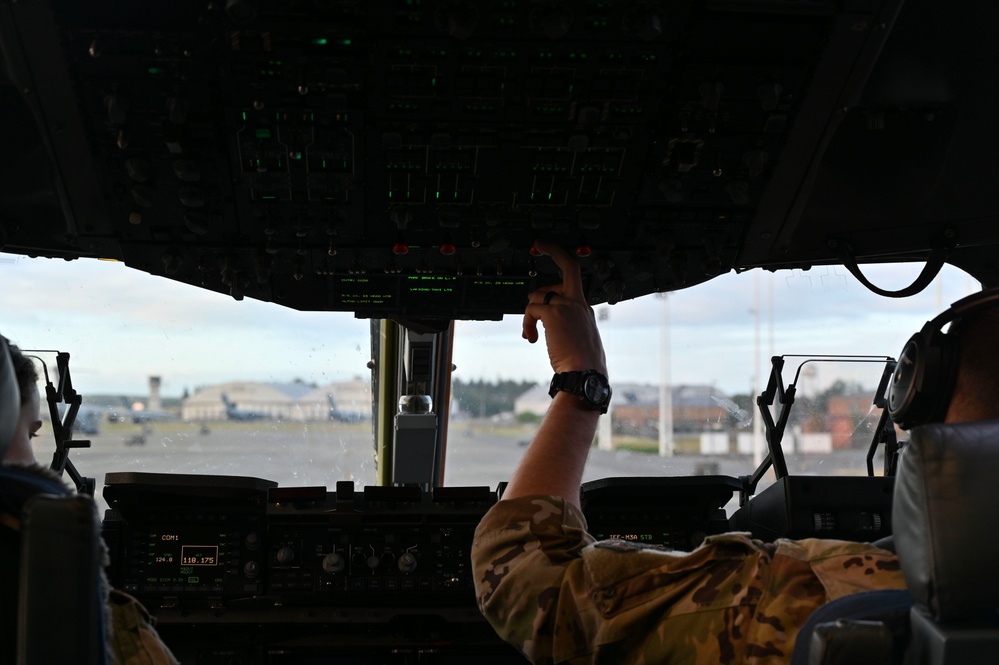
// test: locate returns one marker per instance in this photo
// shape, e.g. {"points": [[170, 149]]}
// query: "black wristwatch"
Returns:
{"points": [[591, 387]]}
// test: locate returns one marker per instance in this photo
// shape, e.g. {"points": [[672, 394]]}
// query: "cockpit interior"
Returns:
{"points": [[392, 163]]}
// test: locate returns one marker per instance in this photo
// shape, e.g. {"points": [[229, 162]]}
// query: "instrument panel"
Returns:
{"points": [[198, 541], [239, 570]]}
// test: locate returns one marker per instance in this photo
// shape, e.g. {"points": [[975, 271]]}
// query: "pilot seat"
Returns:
{"points": [[52, 590], [944, 511]]}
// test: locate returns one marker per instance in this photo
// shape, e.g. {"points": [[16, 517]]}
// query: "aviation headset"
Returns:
{"points": [[926, 372]]}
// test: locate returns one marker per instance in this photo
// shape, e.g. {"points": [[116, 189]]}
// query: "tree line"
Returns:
{"points": [[487, 398]]}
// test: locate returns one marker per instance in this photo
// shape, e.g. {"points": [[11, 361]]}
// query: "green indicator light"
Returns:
{"points": [[155, 70], [269, 197], [438, 195], [549, 196], [433, 82], [390, 193], [321, 41], [456, 195], [244, 116], [345, 165], [262, 133], [324, 163], [345, 42]]}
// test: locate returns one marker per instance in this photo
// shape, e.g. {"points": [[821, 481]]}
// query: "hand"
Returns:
{"points": [[570, 327]]}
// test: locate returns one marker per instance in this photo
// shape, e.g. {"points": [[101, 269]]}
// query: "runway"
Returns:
{"points": [[308, 454]]}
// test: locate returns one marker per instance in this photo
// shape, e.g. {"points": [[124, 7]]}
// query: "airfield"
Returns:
{"points": [[479, 453]]}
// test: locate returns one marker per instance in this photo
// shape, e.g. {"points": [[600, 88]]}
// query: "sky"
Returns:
{"points": [[121, 325]]}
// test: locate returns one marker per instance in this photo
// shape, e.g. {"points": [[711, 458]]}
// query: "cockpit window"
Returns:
{"points": [[713, 344], [182, 380], [155, 363]]}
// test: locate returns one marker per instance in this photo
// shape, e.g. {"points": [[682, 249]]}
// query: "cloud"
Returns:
{"points": [[121, 325]]}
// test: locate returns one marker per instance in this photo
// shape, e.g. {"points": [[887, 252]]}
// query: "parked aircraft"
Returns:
{"points": [[233, 412], [88, 421], [341, 415], [138, 413]]}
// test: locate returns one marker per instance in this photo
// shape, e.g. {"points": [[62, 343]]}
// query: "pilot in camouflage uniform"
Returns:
{"points": [[559, 596]]}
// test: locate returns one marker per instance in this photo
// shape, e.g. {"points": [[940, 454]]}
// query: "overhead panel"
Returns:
{"points": [[399, 158]]}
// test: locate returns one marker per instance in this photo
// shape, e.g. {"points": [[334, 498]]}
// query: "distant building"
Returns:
{"points": [[348, 401], [635, 408], [842, 418], [695, 409], [535, 401]]}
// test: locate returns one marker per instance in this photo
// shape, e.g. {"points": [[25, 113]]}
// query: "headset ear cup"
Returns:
{"points": [[923, 381], [905, 391]]}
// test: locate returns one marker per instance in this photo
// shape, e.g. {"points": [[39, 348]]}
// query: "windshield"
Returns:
{"points": [[181, 380]]}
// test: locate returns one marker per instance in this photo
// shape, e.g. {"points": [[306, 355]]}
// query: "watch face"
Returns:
{"points": [[596, 390]]}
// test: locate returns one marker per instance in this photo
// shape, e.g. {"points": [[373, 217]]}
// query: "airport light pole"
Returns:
{"points": [[666, 444]]}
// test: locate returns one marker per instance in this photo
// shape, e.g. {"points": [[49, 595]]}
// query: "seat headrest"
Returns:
{"points": [[10, 398], [945, 511]]}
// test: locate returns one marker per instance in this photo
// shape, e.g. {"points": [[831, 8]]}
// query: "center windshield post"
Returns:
{"points": [[421, 381]]}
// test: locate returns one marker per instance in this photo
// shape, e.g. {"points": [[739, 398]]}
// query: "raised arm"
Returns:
{"points": [[555, 460]]}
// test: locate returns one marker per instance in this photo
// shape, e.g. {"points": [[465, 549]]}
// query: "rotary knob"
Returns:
{"points": [[407, 562], [251, 569], [252, 541], [285, 555], [333, 563]]}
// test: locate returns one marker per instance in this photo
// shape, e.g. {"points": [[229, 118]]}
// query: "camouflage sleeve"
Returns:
{"points": [[560, 597], [132, 639], [520, 555]]}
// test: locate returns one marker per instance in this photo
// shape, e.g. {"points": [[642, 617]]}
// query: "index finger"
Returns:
{"points": [[572, 276]]}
